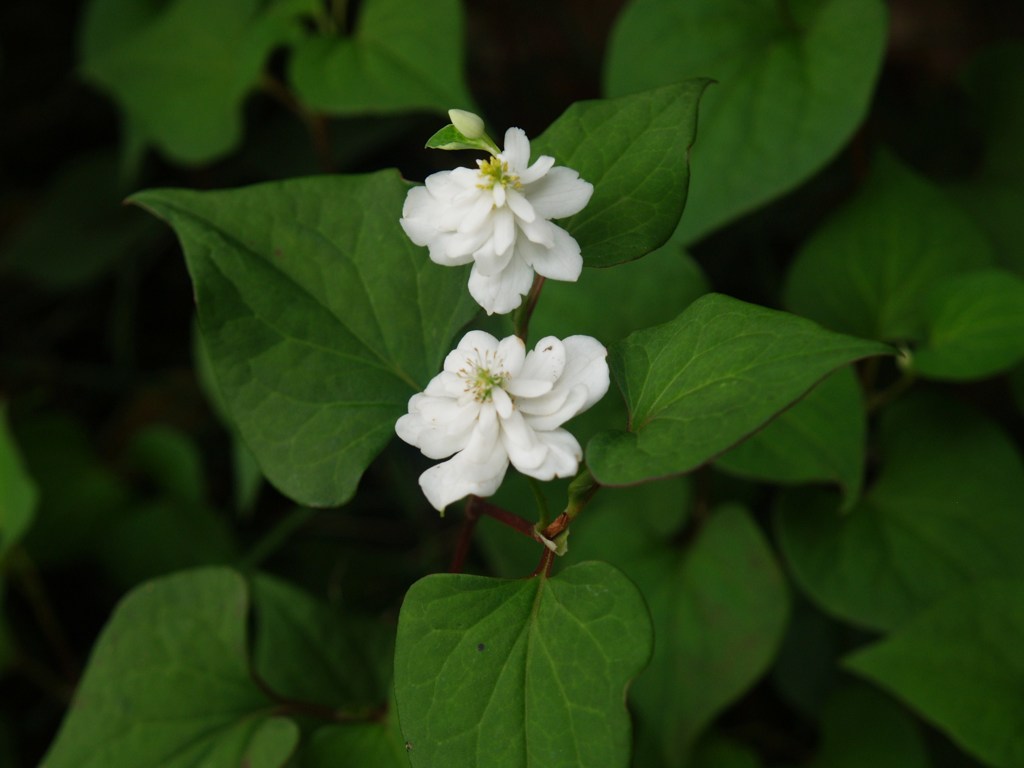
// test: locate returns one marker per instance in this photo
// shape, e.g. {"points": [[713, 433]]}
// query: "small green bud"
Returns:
{"points": [[468, 124]]}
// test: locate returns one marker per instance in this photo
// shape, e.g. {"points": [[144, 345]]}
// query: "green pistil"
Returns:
{"points": [[485, 382], [495, 171]]}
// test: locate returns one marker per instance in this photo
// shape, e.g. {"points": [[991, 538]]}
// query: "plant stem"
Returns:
{"points": [[885, 396], [289, 706], [469, 521], [35, 592], [277, 536], [521, 318], [316, 123], [544, 514]]}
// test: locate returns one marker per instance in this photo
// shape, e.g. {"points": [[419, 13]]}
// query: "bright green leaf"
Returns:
{"points": [[305, 650], [974, 326], [505, 674], [944, 512], [321, 318], [168, 684], [699, 384], [868, 269], [960, 664], [795, 80], [851, 714], [18, 493], [635, 150], [820, 439], [403, 55]]}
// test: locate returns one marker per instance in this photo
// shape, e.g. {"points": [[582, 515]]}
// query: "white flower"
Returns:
{"points": [[494, 403], [498, 217]]}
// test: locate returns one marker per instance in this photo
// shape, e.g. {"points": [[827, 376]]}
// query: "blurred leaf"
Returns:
{"points": [[180, 69], [80, 231], [307, 651], [960, 664], [994, 197], [171, 461], [635, 151], [851, 714], [944, 512], [321, 318], [403, 55], [660, 285], [806, 668], [795, 81], [80, 497], [717, 752], [160, 537], [867, 270], [18, 492], [168, 684], [504, 674], [699, 384], [974, 326], [719, 609], [357, 745], [820, 439]]}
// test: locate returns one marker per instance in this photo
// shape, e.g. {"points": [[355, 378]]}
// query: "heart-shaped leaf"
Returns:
{"points": [[507, 674], [795, 80], [868, 269], [635, 150], [168, 684], [960, 664], [699, 384], [320, 317], [402, 55], [944, 512]]}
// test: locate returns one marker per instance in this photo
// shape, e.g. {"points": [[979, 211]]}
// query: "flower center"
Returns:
{"points": [[495, 171], [482, 380]]}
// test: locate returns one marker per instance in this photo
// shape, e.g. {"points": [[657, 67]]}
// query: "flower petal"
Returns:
{"points": [[543, 164], [561, 192], [545, 361], [512, 353], [475, 216], [504, 230], [525, 451], [462, 475], [560, 261], [517, 150], [520, 206], [586, 363], [562, 458], [504, 291]]}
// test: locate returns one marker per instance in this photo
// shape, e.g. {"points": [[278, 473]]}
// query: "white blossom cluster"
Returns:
{"points": [[495, 403]]}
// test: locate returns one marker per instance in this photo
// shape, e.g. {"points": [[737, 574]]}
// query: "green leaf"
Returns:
{"points": [[180, 70], [18, 493], [854, 711], [868, 269], [506, 674], [795, 81], [994, 196], [820, 439], [661, 285], [403, 55], [699, 384], [717, 752], [306, 650], [635, 151], [357, 745], [974, 326], [79, 231], [944, 512], [451, 137], [168, 684], [960, 664], [718, 626], [321, 318]]}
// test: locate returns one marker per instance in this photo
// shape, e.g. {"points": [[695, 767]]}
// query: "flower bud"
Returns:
{"points": [[468, 124]]}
